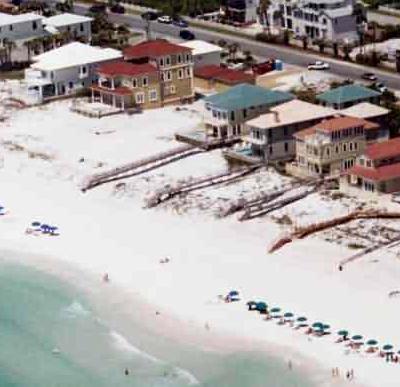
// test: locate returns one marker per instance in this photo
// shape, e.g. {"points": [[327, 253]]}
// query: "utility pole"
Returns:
{"points": [[148, 29]]}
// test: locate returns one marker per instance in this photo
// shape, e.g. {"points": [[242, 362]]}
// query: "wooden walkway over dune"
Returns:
{"points": [[140, 166]]}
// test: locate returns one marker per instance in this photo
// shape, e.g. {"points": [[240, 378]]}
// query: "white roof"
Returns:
{"points": [[66, 19], [6, 19], [364, 110], [201, 47], [290, 113], [73, 54], [338, 12]]}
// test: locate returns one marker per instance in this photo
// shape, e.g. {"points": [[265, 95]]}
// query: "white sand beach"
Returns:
{"points": [[108, 230]]}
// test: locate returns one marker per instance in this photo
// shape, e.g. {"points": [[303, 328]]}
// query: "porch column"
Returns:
{"points": [[92, 95], [101, 97], [112, 83], [113, 101], [123, 103]]}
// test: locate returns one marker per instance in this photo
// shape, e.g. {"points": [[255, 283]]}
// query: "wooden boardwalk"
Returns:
{"points": [[140, 166], [197, 184]]}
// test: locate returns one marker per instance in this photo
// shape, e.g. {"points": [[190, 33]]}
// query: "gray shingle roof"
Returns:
{"points": [[244, 96]]}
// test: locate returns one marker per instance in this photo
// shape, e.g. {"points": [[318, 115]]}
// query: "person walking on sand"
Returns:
{"points": [[351, 374], [126, 372]]}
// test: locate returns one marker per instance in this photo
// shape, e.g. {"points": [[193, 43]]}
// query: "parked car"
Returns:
{"points": [[165, 19], [180, 23], [187, 35], [318, 65], [98, 8], [117, 8], [381, 87], [369, 77], [150, 15]]}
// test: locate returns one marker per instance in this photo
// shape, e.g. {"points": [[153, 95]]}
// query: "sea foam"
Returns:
{"points": [[76, 309]]}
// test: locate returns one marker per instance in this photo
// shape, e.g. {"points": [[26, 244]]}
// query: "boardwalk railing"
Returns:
{"points": [[140, 166]]}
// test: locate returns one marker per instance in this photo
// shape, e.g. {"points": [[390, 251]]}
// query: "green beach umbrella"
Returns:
{"points": [[357, 338], [387, 347], [343, 333], [275, 310], [372, 343], [302, 319], [325, 327], [288, 315]]}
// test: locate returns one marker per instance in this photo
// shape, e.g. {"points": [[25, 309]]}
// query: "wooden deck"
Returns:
{"points": [[206, 143]]}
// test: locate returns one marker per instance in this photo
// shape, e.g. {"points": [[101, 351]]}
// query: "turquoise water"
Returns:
{"points": [[50, 336]]}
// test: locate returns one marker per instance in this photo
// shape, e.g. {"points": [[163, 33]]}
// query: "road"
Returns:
{"points": [[288, 55]]}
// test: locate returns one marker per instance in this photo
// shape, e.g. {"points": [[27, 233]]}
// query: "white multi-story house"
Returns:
{"points": [[333, 20], [20, 27], [79, 27], [66, 70]]}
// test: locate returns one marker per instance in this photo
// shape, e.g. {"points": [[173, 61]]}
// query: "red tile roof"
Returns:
{"points": [[117, 91], [384, 150], [386, 172], [337, 123], [154, 49], [120, 67], [223, 74]]}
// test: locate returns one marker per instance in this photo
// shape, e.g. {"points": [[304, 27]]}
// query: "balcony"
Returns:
{"points": [[35, 78], [262, 141]]}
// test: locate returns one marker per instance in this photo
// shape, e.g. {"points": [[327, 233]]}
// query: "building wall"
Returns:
{"points": [[78, 30], [22, 30]]}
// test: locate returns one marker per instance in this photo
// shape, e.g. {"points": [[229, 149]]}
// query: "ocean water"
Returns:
{"points": [[51, 336]]}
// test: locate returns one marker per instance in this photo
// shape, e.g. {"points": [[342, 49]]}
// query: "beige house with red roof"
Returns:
{"points": [[174, 65], [330, 147], [126, 85], [376, 171]]}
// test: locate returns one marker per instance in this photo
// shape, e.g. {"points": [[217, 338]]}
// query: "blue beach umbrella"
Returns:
{"points": [[343, 332], [275, 310], [372, 343], [288, 315], [35, 224], [301, 319], [231, 293]]}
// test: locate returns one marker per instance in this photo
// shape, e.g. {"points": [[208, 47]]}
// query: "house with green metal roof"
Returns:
{"points": [[226, 112], [345, 96]]}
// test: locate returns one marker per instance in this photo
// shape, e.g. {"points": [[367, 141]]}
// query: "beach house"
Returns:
{"points": [[77, 26], [20, 27], [377, 170], [343, 97], [242, 11], [373, 113], [174, 64], [225, 113], [66, 70], [270, 136], [125, 85], [204, 53], [329, 147]]}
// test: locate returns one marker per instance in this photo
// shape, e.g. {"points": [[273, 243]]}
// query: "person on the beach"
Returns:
{"points": [[126, 372], [347, 375], [290, 365], [351, 374], [106, 277], [340, 268]]}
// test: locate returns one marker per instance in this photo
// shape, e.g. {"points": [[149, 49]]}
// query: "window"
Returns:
{"points": [[134, 83], [172, 89], [161, 62], [270, 150], [139, 98], [71, 85], [83, 70], [188, 72], [10, 27], [69, 29], [34, 25], [224, 115], [52, 75], [168, 61], [180, 74], [232, 116], [81, 27], [244, 113], [145, 81], [285, 131], [153, 95], [187, 57], [169, 75], [344, 147], [351, 146], [286, 147]]}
